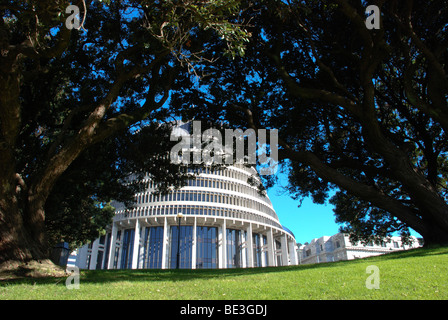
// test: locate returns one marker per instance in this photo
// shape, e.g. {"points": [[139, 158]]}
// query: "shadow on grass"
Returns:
{"points": [[149, 275], [180, 275]]}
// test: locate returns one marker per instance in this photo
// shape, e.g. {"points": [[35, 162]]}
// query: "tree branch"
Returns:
{"points": [[309, 93]]}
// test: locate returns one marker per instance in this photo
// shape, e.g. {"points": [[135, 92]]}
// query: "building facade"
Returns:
{"points": [[338, 247], [218, 220]]}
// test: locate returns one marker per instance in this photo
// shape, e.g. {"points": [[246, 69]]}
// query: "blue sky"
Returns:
{"points": [[307, 222]]}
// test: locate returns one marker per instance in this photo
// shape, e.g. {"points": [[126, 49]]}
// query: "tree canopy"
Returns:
{"points": [[361, 112], [75, 92]]}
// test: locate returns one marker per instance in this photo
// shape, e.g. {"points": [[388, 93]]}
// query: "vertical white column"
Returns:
{"points": [[243, 242], [284, 243], [264, 249], [135, 249], [94, 255], [193, 249], [141, 250], [113, 240], [165, 243], [271, 252], [250, 247], [220, 247], [224, 244], [293, 252]]}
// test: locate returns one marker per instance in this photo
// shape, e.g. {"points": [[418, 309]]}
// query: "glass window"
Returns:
{"points": [[152, 248], [185, 247], [234, 252], [258, 241], [279, 258], [127, 248], [206, 248]]}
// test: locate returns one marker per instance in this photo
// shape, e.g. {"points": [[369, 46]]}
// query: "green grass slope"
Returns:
{"points": [[414, 274]]}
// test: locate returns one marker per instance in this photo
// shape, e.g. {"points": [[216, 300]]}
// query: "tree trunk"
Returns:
{"points": [[435, 235], [20, 240]]}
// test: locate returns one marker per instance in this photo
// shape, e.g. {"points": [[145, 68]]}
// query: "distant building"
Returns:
{"points": [[338, 247]]}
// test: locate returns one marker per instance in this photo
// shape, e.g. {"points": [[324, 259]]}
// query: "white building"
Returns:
{"points": [[338, 247], [218, 220]]}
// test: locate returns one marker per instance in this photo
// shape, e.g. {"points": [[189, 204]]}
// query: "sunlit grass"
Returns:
{"points": [[415, 274]]}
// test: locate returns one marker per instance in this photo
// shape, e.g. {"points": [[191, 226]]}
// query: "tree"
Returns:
{"points": [[64, 90], [361, 111], [79, 208]]}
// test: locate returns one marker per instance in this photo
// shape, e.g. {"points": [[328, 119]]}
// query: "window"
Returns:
{"points": [[185, 248], [152, 248], [207, 247], [258, 241], [234, 252], [127, 249]]}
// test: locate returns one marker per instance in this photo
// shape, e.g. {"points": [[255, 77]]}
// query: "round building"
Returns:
{"points": [[217, 220]]}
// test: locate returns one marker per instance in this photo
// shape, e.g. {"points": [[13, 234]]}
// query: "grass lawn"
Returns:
{"points": [[414, 274]]}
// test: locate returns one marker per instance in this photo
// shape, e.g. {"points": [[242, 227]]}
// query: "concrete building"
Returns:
{"points": [[338, 247], [218, 220]]}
